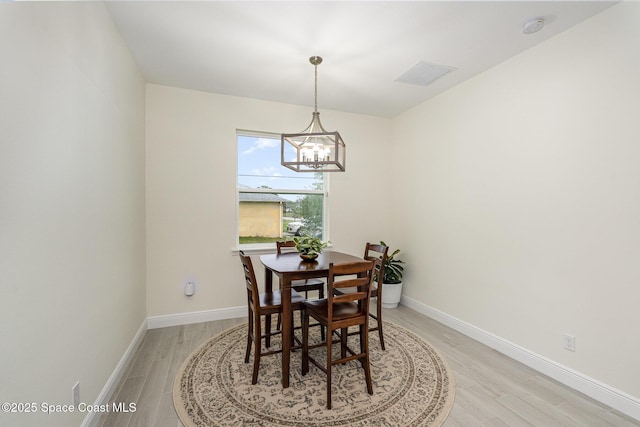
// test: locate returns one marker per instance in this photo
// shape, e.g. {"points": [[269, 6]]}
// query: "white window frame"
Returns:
{"points": [[270, 247]]}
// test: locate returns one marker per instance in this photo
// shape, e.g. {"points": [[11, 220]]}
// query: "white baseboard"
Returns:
{"points": [[152, 323], [196, 317], [112, 383], [593, 388]]}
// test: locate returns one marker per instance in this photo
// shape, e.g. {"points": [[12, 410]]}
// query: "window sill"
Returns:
{"points": [[255, 249], [260, 249]]}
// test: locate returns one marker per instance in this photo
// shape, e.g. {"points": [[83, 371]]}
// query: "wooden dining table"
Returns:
{"points": [[289, 267]]}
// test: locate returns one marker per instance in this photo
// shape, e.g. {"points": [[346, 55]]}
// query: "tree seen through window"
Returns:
{"points": [[275, 202]]}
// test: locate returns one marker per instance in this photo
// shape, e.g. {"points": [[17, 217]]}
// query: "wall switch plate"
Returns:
{"points": [[569, 342], [190, 288]]}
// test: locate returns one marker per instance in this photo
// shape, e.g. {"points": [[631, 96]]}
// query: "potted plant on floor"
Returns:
{"points": [[392, 280], [309, 247]]}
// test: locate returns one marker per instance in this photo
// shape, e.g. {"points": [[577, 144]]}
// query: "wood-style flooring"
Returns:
{"points": [[491, 389]]}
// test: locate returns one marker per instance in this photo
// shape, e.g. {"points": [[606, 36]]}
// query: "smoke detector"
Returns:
{"points": [[533, 25]]}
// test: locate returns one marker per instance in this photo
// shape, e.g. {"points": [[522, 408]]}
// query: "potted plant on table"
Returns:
{"points": [[309, 247], [392, 279]]}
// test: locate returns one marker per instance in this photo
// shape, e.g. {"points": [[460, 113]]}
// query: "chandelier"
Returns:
{"points": [[314, 149]]}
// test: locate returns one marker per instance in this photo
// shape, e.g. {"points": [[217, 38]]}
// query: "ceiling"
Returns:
{"points": [[261, 49]]}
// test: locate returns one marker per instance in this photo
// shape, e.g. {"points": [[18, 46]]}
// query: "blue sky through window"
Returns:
{"points": [[259, 165]]}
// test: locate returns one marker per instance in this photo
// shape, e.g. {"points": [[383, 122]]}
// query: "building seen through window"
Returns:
{"points": [[275, 202]]}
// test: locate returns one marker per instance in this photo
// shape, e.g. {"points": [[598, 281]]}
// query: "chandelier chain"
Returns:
{"points": [[315, 94]]}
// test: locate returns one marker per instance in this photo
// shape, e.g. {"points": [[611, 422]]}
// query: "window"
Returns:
{"points": [[275, 202]]}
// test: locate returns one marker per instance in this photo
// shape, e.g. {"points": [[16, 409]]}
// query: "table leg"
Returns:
{"points": [[268, 287], [286, 329]]}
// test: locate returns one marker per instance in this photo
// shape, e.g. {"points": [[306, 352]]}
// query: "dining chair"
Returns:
{"points": [[302, 285], [341, 311], [259, 305], [374, 251]]}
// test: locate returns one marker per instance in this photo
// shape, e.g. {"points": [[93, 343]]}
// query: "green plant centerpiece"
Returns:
{"points": [[309, 247]]}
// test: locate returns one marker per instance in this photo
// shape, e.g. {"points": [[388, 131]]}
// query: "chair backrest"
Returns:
{"points": [[253, 296], [285, 247], [374, 251], [359, 286]]}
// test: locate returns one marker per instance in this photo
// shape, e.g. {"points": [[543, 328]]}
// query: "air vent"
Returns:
{"points": [[424, 73]]}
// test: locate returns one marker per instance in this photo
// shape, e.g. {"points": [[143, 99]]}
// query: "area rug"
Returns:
{"points": [[412, 386]]}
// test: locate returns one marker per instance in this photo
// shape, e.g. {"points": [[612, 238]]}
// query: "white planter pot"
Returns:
{"points": [[391, 293]]}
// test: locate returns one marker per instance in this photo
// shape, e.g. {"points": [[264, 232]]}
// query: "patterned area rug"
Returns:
{"points": [[412, 386]]}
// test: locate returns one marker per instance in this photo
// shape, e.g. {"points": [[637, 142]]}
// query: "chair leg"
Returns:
{"points": [[323, 333], [344, 332], [329, 373], [249, 337], [293, 329], [267, 330], [364, 337], [257, 335], [363, 345], [379, 320], [305, 342]]}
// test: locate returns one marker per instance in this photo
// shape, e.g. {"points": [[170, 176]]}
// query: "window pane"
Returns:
{"points": [[267, 217], [259, 167], [264, 215]]}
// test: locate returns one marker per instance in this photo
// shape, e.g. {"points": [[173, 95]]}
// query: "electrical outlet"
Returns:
{"points": [[569, 342], [75, 394]]}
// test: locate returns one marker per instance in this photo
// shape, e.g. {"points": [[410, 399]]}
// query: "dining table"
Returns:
{"points": [[289, 267]]}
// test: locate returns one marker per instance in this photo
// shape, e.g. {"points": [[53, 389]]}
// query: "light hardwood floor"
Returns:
{"points": [[491, 389]]}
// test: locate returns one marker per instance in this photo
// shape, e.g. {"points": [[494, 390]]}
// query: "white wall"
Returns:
{"points": [[191, 190], [72, 266], [518, 214], [526, 220]]}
